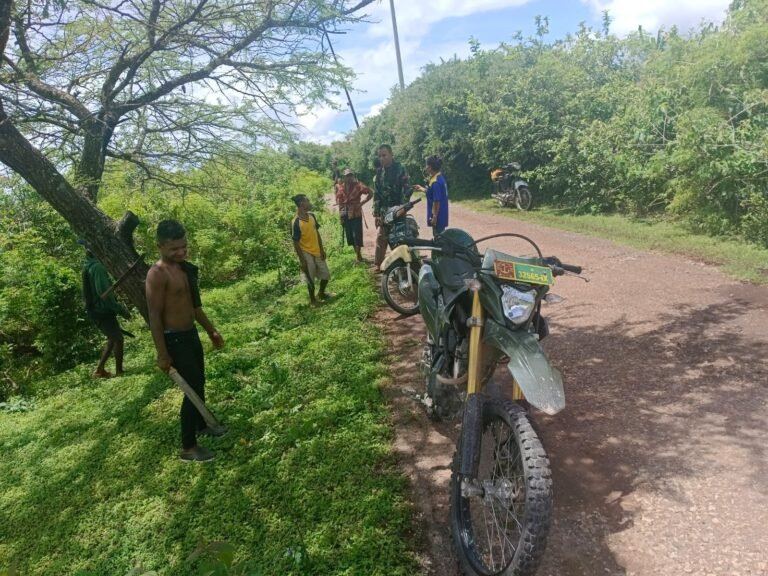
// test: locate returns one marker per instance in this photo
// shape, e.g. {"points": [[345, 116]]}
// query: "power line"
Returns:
{"points": [[349, 99]]}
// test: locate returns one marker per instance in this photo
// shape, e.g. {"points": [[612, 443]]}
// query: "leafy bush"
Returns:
{"points": [[237, 215], [754, 225], [43, 328]]}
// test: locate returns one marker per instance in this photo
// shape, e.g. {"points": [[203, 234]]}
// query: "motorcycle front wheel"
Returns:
{"points": [[500, 520], [523, 198], [399, 286]]}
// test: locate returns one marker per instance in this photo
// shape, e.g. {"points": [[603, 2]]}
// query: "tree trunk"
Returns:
{"points": [[108, 242], [98, 132]]}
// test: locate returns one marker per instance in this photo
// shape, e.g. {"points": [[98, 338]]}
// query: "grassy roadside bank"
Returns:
{"points": [[304, 482], [742, 261]]}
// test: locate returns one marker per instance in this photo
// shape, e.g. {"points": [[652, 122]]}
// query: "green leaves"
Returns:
{"points": [[237, 212], [43, 325]]}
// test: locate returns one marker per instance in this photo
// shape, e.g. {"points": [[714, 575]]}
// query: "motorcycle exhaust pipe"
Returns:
{"points": [[471, 436]]}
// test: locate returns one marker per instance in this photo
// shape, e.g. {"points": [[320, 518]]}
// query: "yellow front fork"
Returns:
{"points": [[475, 332], [517, 392]]}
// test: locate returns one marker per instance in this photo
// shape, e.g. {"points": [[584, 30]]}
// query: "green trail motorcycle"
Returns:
{"points": [[482, 311]]}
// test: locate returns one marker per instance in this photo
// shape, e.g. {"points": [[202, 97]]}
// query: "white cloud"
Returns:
{"points": [[326, 137], [627, 15], [376, 108]]}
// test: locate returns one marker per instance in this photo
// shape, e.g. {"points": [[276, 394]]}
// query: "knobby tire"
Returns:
{"points": [[487, 539]]}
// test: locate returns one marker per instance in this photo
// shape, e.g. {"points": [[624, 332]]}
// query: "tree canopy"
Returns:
{"points": [[164, 80]]}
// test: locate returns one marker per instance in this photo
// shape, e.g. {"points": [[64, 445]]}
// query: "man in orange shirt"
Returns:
{"points": [[349, 198]]}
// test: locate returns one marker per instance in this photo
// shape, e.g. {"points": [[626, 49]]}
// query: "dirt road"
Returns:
{"points": [[660, 459]]}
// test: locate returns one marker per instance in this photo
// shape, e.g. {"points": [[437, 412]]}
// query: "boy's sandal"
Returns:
{"points": [[102, 374]]}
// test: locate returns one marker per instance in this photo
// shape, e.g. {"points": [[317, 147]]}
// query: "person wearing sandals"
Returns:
{"points": [[349, 198], [309, 248], [103, 312], [173, 298]]}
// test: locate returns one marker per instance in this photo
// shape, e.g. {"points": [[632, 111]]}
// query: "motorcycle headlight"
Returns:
{"points": [[518, 306]]}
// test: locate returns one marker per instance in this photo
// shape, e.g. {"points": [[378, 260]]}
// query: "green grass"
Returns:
{"points": [[305, 482], [739, 260]]}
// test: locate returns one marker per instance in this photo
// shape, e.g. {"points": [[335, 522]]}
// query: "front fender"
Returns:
{"points": [[541, 382], [402, 252]]}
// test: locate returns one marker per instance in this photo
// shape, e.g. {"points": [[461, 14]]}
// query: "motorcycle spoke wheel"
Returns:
{"points": [[500, 524], [523, 198], [400, 294]]}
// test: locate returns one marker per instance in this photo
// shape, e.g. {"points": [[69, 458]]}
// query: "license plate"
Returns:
{"points": [[519, 272]]}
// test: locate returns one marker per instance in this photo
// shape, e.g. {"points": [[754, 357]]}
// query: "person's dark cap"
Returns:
{"points": [[298, 198], [348, 172]]}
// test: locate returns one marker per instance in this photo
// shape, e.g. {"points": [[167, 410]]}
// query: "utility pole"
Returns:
{"points": [[397, 45]]}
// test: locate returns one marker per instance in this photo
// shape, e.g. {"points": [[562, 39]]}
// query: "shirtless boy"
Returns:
{"points": [[174, 304]]}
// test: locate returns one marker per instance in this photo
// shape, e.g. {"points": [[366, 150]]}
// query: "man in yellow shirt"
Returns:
{"points": [[309, 248]]}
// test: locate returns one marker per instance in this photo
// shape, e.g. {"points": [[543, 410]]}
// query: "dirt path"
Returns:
{"points": [[660, 459]]}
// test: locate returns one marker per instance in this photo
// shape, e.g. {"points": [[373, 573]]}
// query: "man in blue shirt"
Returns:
{"points": [[437, 196]]}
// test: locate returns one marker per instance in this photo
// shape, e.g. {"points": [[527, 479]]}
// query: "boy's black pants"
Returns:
{"points": [[186, 353]]}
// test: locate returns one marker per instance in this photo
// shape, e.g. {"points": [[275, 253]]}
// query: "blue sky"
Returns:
{"points": [[431, 29]]}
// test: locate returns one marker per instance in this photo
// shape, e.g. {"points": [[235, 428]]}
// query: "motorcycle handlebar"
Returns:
{"points": [[410, 204], [410, 242], [560, 268], [571, 268]]}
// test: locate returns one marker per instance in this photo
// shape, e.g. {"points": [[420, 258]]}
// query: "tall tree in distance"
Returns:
{"points": [[158, 83]]}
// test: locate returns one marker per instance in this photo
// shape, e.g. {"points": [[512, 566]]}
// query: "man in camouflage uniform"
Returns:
{"points": [[391, 188]]}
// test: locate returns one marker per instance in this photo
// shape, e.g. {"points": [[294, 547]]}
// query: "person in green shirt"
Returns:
{"points": [[103, 312], [392, 188]]}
